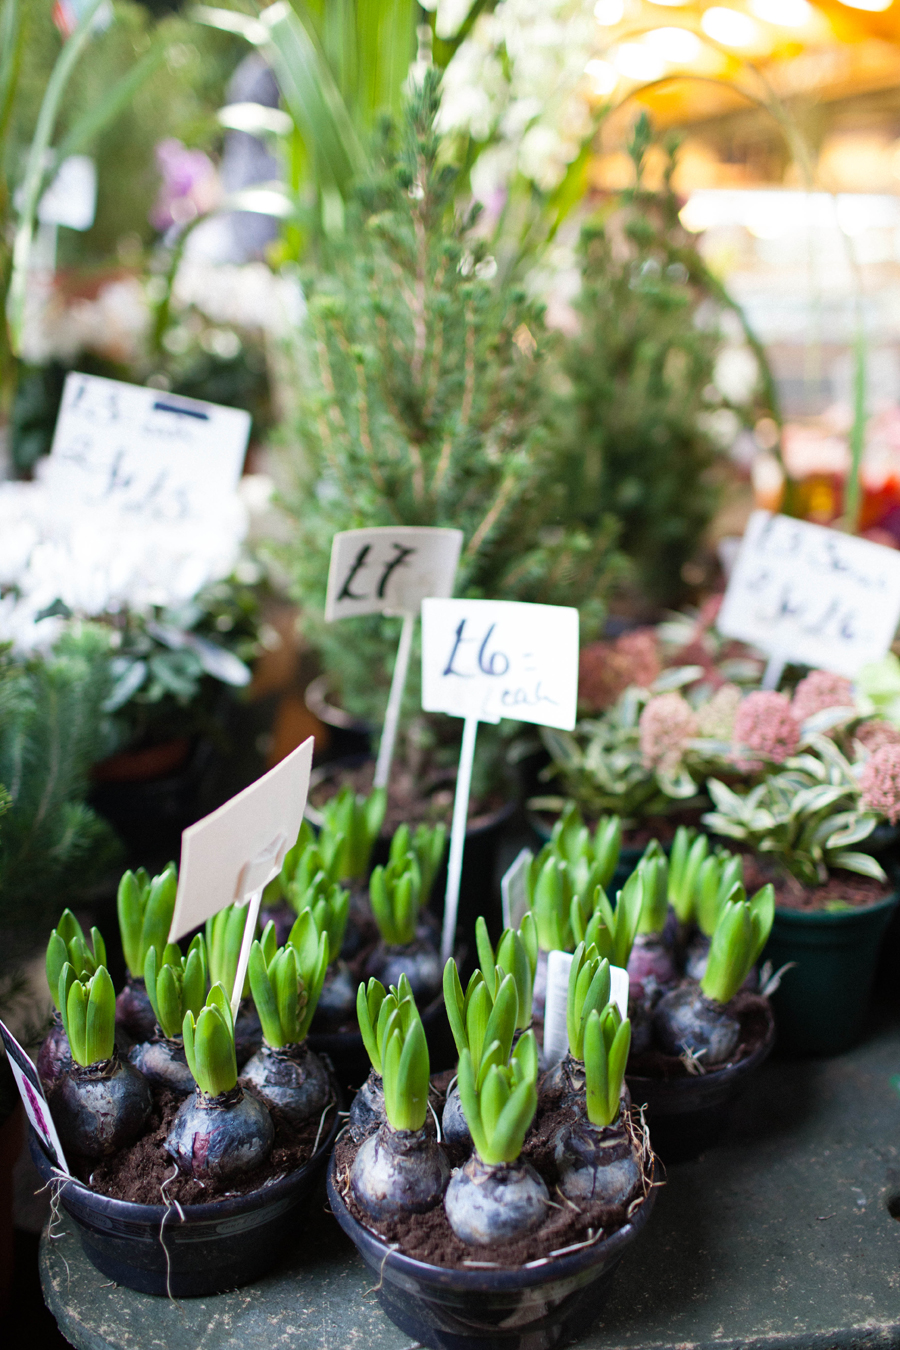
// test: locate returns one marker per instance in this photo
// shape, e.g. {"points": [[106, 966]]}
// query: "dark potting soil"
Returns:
{"points": [[751, 1010], [429, 1237], [411, 798], [841, 890], [659, 827], [138, 1172]]}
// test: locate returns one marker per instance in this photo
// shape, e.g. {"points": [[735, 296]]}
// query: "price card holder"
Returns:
{"points": [[487, 659], [232, 854], [390, 570], [811, 595], [34, 1101], [556, 1036]]}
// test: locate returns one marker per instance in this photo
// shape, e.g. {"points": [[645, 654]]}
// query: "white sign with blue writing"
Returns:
{"points": [[390, 569], [812, 595]]}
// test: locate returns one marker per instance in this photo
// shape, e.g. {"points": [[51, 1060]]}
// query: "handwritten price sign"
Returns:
{"points": [[143, 451], [387, 570], [498, 658], [812, 595]]}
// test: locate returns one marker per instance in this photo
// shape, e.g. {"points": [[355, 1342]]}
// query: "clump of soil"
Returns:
{"points": [[846, 887], [753, 1013], [136, 1173], [412, 798], [429, 1237]]}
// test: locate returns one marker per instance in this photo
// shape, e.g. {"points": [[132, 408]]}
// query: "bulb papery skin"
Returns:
{"points": [[292, 1079], [399, 1172], [597, 1164], [367, 1113], [222, 1136], [494, 1203], [651, 960], [337, 1001], [54, 1057], [685, 1019], [163, 1061], [453, 1121], [134, 1011], [102, 1108], [419, 962], [567, 1078], [696, 958]]}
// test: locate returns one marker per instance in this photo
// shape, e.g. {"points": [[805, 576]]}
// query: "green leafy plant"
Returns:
{"points": [[88, 1009], [286, 981], [67, 944], [224, 935], [350, 826], [329, 904], [741, 932], [176, 984], [516, 955], [720, 879], [395, 893], [589, 985], [209, 1044], [374, 1007], [398, 1039], [483, 1024], [607, 1040], [499, 1100], [426, 843], [612, 931], [145, 910], [689, 852], [549, 891], [591, 859], [655, 892]]}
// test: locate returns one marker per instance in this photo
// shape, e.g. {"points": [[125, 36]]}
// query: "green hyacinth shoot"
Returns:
{"points": [[612, 931], [688, 853], [329, 904], [654, 866], [374, 1005], [286, 981], [741, 932], [395, 1040], [88, 1009], [395, 893], [607, 1040], [145, 914], [426, 843], [67, 943], [562, 881], [176, 984], [350, 826], [516, 955], [589, 985], [209, 1044], [720, 879], [500, 1099], [478, 1021], [224, 935]]}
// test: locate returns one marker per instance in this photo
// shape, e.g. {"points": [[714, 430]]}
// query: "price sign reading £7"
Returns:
{"points": [[812, 595]]}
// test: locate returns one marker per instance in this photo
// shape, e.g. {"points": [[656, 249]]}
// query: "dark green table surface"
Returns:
{"points": [[780, 1236]]}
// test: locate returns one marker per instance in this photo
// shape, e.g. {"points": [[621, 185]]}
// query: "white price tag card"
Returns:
{"points": [[390, 570], [143, 451], [239, 848], [556, 1035], [500, 658], [33, 1099], [811, 595], [513, 892]]}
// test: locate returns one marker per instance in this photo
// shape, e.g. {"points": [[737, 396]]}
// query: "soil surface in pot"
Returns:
{"points": [[751, 1010], [646, 828], [429, 1237], [137, 1173], [411, 798], [853, 891]]}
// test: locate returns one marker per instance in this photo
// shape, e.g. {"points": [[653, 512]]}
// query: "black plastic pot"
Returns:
{"points": [[687, 1114], [205, 1249], [532, 1308]]}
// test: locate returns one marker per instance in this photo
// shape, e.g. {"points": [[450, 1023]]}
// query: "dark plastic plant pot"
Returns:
{"points": [[532, 1308], [687, 1114], [211, 1249], [351, 1063], [821, 1004]]}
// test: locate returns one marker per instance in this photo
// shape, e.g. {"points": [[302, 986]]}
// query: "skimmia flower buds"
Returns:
{"points": [[145, 914]]}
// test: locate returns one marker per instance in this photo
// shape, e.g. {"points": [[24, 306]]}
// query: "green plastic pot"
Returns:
{"points": [[821, 1003]]}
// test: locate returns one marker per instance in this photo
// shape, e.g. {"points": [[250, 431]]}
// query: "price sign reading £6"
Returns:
{"points": [[812, 595], [489, 659]]}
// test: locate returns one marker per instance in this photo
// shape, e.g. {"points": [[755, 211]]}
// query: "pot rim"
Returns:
{"points": [[716, 1076], [136, 1212], [836, 916], [478, 1281]]}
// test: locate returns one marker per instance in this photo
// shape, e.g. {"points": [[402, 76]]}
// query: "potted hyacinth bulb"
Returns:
{"points": [[329, 904], [101, 1103], [67, 944], [407, 947], [720, 879], [594, 1155], [483, 1019], [286, 983], [374, 1007], [145, 908], [224, 935], [496, 1195], [176, 985], [220, 1131], [694, 1019], [651, 964], [400, 1168]]}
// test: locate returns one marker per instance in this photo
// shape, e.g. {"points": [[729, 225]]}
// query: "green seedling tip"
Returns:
{"points": [[405, 1066], [654, 866], [740, 934], [607, 1040], [689, 849], [67, 943], [499, 1104], [516, 955], [224, 935], [176, 985], [209, 1044], [145, 911], [395, 893], [88, 1010], [286, 982], [350, 826], [589, 985]]}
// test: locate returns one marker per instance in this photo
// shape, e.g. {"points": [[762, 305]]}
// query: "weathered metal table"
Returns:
{"points": [[780, 1237]]}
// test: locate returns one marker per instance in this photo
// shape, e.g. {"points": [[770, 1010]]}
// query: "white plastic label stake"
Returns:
{"points": [[390, 570], [33, 1099], [811, 595], [556, 1035], [458, 836], [513, 895]]}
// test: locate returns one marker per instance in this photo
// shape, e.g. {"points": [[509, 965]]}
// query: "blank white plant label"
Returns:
{"points": [[514, 890], [500, 658], [390, 570], [143, 451], [811, 595], [33, 1099], [556, 1035]]}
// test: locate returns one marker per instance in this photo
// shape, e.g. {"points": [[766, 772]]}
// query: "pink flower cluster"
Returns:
{"points": [[766, 725], [874, 734], [880, 783], [819, 690], [606, 669], [667, 724]]}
